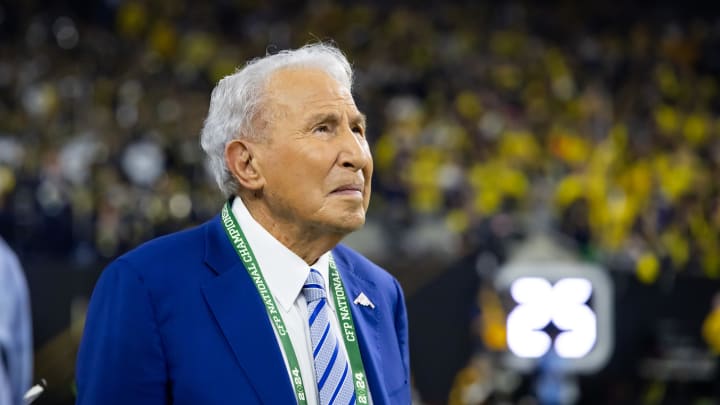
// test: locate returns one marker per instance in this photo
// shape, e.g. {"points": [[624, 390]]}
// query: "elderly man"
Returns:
{"points": [[261, 304]]}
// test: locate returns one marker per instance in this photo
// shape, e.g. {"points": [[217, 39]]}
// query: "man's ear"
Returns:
{"points": [[242, 164]]}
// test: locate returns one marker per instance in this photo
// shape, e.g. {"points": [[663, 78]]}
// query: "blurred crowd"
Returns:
{"points": [[490, 122], [504, 119]]}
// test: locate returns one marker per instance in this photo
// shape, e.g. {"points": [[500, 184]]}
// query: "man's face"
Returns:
{"points": [[316, 161]]}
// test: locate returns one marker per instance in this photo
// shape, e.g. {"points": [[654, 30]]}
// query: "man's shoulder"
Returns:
{"points": [[182, 247], [362, 265], [7, 254], [349, 254], [10, 269]]}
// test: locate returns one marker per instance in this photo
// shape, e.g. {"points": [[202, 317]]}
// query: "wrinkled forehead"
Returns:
{"points": [[304, 85]]}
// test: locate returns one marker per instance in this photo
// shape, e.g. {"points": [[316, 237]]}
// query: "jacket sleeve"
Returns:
{"points": [[121, 358]]}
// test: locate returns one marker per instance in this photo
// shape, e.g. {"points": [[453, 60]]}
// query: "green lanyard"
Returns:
{"points": [[242, 247], [348, 331]]}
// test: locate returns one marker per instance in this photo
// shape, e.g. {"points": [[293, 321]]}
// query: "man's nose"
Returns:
{"points": [[354, 152]]}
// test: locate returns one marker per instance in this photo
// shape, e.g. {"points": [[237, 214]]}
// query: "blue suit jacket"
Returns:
{"points": [[178, 320]]}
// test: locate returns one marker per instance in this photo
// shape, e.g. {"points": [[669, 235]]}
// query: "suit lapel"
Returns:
{"points": [[366, 324], [242, 317]]}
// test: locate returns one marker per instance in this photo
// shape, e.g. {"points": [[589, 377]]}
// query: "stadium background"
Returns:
{"points": [[595, 126]]}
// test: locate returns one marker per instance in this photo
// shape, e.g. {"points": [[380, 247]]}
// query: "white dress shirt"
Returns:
{"points": [[285, 274]]}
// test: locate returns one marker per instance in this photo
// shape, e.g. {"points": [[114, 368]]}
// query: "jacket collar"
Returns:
{"points": [[242, 317], [366, 322]]}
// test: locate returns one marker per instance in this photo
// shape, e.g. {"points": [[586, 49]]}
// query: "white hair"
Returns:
{"points": [[238, 99]]}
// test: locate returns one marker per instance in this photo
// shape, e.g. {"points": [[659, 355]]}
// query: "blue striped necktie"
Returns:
{"points": [[332, 372]]}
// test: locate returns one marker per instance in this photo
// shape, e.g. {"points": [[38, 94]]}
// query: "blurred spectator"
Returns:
{"points": [[15, 330]]}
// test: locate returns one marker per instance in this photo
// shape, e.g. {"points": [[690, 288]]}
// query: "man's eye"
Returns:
{"points": [[359, 130], [322, 129]]}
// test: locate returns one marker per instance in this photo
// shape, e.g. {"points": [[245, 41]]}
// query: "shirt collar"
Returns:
{"points": [[284, 271]]}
